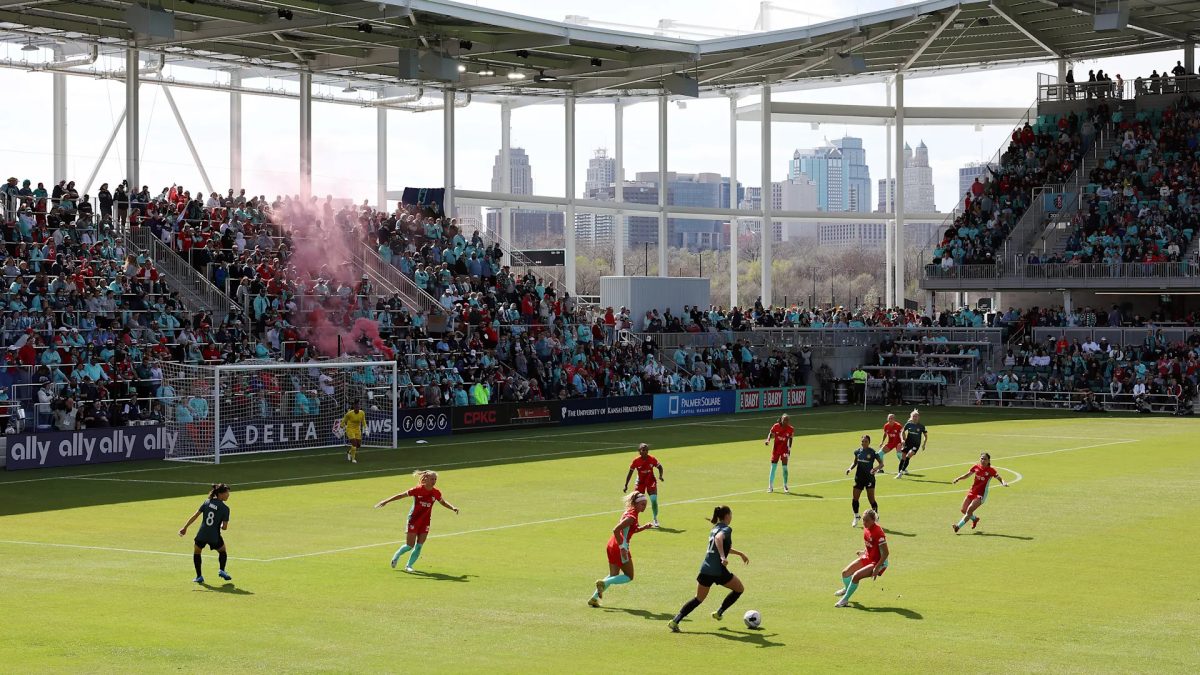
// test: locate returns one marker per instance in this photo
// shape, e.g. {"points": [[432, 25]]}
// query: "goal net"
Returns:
{"points": [[254, 407]]}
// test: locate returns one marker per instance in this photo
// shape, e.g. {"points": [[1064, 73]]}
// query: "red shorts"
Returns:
{"points": [[648, 488], [418, 527], [868, 561], [618, 555], [780, 456], [972, 496], [892, 445]]}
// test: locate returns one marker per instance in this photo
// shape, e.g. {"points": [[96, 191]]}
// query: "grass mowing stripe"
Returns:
{"points": [[113, 550]]}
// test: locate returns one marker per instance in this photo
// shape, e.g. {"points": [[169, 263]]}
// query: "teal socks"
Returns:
{"points": [[773, 467], [615, 580], [401, 551], [416, 553], [850, 588], [654, 505], [785, 475]]}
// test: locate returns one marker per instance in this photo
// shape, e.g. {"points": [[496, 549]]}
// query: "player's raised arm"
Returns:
{"points": [[882, 564], [448, 505], [391, 499], [628, 475], [183, 530], [965, 475]]}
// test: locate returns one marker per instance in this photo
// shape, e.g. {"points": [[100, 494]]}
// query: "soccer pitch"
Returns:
{"points": [[1081, 566]]}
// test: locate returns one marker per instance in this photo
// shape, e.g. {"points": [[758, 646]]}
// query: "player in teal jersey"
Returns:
{"points": [[715, 568]]}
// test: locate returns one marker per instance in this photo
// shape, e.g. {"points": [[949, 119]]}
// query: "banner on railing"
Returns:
{"points": [[1053, 202], [689, 404], [88, 446], [501, 415], [614, 409], [778, 398], [427, 198]]}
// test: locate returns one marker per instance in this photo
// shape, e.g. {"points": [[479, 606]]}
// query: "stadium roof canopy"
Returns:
{"points": [[344, 40]]}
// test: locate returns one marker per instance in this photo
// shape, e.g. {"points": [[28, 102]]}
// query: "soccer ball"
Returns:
{"points": [[753, 619]]}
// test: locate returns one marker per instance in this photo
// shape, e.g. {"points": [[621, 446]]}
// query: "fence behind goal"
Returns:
{"points": [[254, 407]]}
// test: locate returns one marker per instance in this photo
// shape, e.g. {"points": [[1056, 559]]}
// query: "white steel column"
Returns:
{"points": [[662, 185], [506, 176], [619, 190], [59, 98], [889, 246], [569, 216], [733, 203], [1068, 305], [448, 150], [1189, 57], [235, 130], [187, 137], [132, 120], [305, 136], [381, 158], [767, 235], [899, 238]]}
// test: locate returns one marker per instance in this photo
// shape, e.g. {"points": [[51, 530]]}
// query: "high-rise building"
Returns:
{"points": [[530, 227], [519, 170], [918, 183], [840, 172], [597, 229], [683, 189], [967, 176]]}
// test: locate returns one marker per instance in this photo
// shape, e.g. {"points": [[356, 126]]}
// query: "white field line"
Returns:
{"points": [[778, 500], [486, 438], [114, 550], [559, 519], [134, 480]]}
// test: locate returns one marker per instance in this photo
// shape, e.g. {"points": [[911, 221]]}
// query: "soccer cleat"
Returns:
{"points": [[955, 526], [593, 602], [974, 522], [899, 473], [224, 575], [599, 588], [654, 523], [717, 615], [394, 561], [840, 592], [842, 603], [353, 460], [770, 488], [673, 626], [854, 523], [408, 569], [198, 580], [347, 457], [785, 489]]}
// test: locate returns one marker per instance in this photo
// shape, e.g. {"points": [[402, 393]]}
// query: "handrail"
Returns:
{"points": [[171, 262], [1129, 89], [1068, 270], [406, 288]]}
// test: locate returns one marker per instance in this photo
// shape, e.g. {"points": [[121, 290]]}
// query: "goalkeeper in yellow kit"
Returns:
{"points": [[354, 422]]}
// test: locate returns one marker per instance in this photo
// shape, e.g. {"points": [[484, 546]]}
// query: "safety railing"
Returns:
{"points": [[406, 288], [1050, 90], [1114, 335], [1110, 270], [173, 264], [1082, 401]]}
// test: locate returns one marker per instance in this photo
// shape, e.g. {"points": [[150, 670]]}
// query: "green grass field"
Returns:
{"points": [[1082, 566]]}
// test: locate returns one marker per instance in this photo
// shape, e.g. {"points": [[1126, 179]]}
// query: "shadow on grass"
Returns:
{"points": [[898, 533], [438, 576], [668, 530], [76, 487], [902, 611], [755, 637], [939, 482], [227, 588], [643, 613], [977, 533], [801, 494]]}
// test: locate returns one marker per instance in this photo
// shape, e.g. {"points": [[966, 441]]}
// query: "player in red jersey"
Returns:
{"points": [[645, 464], [871, 562], [891, 439], [782, 432], [424, 495], [620, 560], [977, 495]]}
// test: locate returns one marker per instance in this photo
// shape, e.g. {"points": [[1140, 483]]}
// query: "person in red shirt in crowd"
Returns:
{"points": [[871, 562], [977, 495], [782, 432], [424, 495], [645, 464]]}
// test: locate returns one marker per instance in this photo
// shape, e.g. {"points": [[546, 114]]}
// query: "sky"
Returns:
{"points": [[344, 137]]}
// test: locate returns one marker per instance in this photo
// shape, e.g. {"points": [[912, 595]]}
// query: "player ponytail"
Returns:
{"points": [[719, 514], [633, 498], [872, 514], [914, 414], [217, 489], [421, 474]]}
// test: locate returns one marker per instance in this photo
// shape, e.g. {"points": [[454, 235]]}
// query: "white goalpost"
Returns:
{"points": [[269, 406]]}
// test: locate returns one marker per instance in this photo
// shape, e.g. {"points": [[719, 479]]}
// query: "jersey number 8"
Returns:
{"points": [[208, 518]]}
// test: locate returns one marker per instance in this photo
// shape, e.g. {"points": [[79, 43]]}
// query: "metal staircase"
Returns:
{"points": [[194, 288]]}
